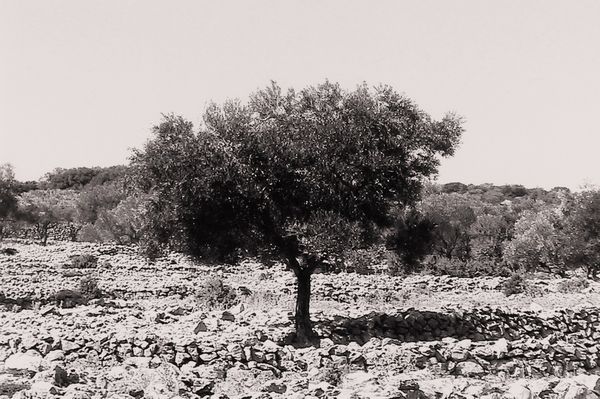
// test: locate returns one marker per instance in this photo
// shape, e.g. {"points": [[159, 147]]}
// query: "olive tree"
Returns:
{"points": [[539, 242], [46, 209], [452, 214], [8, 198], [583, 230], [306, 174]]}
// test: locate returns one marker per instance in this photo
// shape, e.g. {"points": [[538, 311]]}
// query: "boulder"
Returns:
{"points": [[519, 391], [469, 369], [69, 346], [275, 386], [28, 361], [200, 327], [227, 316], [54, 356], [43, 388]]}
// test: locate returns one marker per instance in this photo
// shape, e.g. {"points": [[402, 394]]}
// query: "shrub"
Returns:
{"points": [[214, 294], [411, 239], [539, 242], [359, 261], [573, 285], [88, 287], [516, 284], [8, 251], [333, 373], [395, 266], [90, 233], [68, 298], [84, 261]]}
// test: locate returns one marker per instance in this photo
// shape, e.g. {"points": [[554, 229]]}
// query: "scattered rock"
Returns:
{"points": [[200, 327], [469, 369], [28, 361], [227, 316]]}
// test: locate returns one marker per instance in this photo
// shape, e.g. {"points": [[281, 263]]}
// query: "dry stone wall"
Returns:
{"points": [[475, 324], [486, 341]]}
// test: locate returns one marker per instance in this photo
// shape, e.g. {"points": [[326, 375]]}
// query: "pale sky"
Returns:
{"points": [[81, 82]]}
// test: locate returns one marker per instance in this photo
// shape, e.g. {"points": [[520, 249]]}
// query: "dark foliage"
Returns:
{"points": [[78, 178], [88, 287], [213, 293], [516, 284], [573, 285], [264, 174], [412, 238], [84, 262]]}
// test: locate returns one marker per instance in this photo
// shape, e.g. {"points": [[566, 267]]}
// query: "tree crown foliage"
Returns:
{"points": [[8, 199], [290, 164], [78, 178]]}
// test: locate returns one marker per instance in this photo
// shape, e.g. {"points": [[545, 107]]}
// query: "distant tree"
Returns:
{"points": [[488, 234], [123, 224], [514, 190], [583, 229], [452, 214], [22, 187], [412, 238], [95, 199], [454, 187], [73, 178], [110, 174], [284, 169], [46, 209], [8, 199], [539, 242]]}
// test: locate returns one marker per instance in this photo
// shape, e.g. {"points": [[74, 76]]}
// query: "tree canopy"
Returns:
{"points": [[302, 172]]}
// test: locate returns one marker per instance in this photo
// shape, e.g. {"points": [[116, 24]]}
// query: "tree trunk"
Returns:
{"points": [[304, 331]]}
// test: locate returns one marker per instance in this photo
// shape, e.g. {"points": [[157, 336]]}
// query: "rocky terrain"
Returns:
{"points": [[149, 336]]}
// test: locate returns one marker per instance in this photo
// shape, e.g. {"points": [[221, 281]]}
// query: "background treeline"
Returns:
{"points": [[455, 229], [78, 204]]}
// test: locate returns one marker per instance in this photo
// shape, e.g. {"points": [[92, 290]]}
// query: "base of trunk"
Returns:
{"points": [[304, 331]]}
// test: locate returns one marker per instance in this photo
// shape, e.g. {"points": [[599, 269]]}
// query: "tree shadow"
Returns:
{"points": [[408, 326]]}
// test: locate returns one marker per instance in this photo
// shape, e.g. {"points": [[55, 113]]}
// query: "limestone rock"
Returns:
{"points": [[28, 361], [469, 368], [200, 327]]}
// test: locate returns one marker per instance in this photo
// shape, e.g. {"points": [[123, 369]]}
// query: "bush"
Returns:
{"points": [[395, 266], [573, 285], [333, 373], [68, 298], [90, 233], [214, 294], [84, 261], [8, 251], [359, 262], [88, 287], [516, 284]]}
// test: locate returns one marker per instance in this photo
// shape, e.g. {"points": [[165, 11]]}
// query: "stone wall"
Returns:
{"points": [[486, 341], [60, 232], [476, 324]]}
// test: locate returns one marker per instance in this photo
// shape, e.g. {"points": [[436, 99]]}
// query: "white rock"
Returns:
{"points": [[518, 391], [589, 381], [439, 388], [500, 348], [469, 368], [30, 360]]}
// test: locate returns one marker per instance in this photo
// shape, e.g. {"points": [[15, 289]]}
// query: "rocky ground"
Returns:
{"points": [[382, 337]]}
